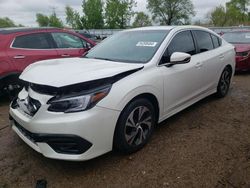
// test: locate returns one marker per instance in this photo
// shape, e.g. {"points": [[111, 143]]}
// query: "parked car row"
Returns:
{"points": [[19, 47], [92, 37], [113, 96], [241, 41]]}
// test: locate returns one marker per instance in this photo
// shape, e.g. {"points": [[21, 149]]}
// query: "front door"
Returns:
{"points": [[182, 82], [69, 45]]}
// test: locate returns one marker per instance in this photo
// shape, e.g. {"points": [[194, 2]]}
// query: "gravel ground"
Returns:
{"points": [[207, 145]]}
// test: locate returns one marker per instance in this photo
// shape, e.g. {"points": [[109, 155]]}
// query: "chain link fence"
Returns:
{"points": [[103, 33]]}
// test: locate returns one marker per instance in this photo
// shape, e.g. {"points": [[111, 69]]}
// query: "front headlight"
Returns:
{"points": [[68, 104]]}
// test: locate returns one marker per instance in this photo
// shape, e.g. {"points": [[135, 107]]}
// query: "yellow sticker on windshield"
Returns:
{"points": [[146, 44]]}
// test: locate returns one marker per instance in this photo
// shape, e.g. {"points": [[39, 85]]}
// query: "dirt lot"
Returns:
{"points": [[207, 145]]}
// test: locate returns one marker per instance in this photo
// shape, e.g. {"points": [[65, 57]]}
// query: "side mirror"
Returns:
{"points": [[180, 58]]}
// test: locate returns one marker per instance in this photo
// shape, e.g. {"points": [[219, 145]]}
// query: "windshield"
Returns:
{"points": [[130, 46], [237, 37]]}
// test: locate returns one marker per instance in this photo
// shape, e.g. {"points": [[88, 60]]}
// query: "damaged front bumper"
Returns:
{"points": [[73, 136]]}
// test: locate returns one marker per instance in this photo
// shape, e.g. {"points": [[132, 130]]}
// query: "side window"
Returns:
{"points": [[204, 41], [220, 41], [216, 41], [65, 40], [32, 41], [182, 42]]}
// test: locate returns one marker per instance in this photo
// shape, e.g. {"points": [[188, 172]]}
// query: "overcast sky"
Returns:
{"points": [[24, 11]]}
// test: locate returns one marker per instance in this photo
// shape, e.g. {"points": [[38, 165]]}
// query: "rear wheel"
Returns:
{"points": [[135, 126], [224, 83]]}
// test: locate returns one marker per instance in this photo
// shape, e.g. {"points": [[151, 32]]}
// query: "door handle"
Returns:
{"points": [[65, 55], [221, 56], [198, 65], [19, 57]]}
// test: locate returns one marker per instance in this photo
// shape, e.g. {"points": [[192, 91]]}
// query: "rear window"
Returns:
{"points": [[32, 41]]}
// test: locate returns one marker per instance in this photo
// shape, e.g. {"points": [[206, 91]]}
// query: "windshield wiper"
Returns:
{"points": [[107, 59], [114, 60]]}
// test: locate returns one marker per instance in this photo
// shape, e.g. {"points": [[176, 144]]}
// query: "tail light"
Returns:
{"points": [[242, 54]]}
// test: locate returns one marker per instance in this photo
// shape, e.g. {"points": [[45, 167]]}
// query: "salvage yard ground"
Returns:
{"points": [[207, 145]]}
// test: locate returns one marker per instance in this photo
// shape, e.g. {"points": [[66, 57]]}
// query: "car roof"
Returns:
{"points": [[168, 28], [152, 28], [12, 30]]}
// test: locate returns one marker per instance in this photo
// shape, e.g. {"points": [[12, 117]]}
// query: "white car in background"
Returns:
{"points": [[113, 97]]}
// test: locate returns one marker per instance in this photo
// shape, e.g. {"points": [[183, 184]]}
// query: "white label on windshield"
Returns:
{"points": [[247, 36], [146, 44]]}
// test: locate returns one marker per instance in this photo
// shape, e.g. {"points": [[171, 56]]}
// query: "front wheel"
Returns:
{"points": [[224, 83], [135, 126]]}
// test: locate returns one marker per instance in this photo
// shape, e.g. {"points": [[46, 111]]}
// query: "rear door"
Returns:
{"points": [[69, 45], [210, 57], [29, 48]]}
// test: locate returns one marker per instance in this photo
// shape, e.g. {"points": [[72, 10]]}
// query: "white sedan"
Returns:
{"points": [[113, 97]]}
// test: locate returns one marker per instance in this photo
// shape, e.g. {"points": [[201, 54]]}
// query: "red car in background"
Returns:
{"points": [[20, 47], [241, 41]]}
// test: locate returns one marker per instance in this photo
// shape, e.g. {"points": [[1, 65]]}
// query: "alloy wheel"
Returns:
{"points": [[138, 125], [225, 81]]}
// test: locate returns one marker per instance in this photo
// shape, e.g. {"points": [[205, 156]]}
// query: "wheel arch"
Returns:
{"points": [[230, 67], [148, 96], [151, 98]]}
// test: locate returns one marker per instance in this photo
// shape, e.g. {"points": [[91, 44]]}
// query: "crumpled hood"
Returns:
{"points": [[68, 71]]}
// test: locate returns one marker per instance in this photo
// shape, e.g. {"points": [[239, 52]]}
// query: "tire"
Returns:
{"points": [[224, 83], [12, 88], [133, 130]]}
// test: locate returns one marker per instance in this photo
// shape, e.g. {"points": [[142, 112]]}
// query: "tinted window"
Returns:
{"points": [[182, 42], [204, 41], [32, 41], [216, 41], [65, 40]]}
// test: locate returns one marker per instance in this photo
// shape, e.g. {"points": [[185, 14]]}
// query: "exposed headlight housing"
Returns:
{"points": [[78, 102]]}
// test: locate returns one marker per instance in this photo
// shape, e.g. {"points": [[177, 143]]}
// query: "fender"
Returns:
{"points": [[146, 89]]}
